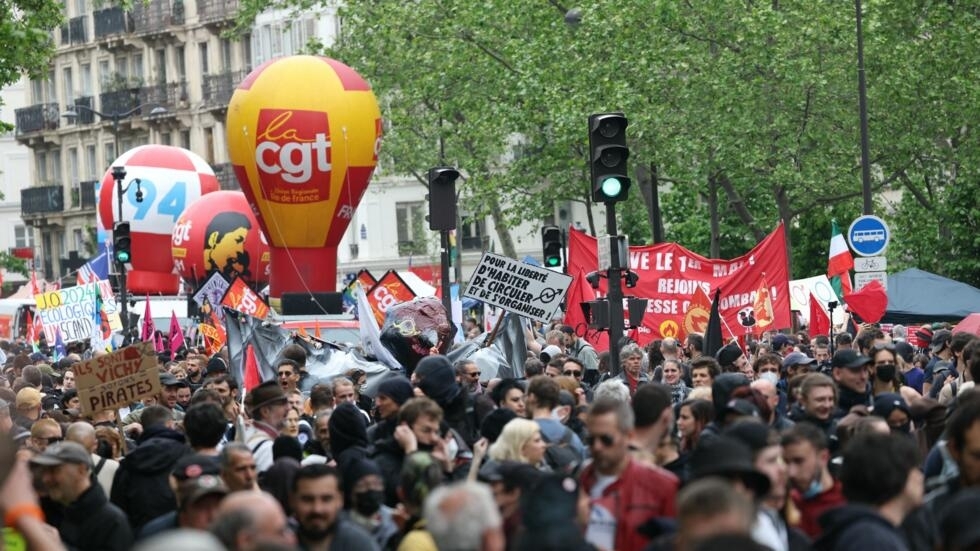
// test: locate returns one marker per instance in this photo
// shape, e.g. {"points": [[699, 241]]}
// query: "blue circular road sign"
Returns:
{"points": [[868, 235]]}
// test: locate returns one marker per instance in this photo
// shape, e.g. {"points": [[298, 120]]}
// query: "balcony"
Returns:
{"points": [[36, 118], [110, 22], [227, 181], [119, 101], [42, 200], [216, 12], [84, 115], [75, 32], [216, 90], [165, 94], [156, 16]]}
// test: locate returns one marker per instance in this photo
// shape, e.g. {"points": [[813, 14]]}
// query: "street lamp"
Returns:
{"points": [[119, 174]]}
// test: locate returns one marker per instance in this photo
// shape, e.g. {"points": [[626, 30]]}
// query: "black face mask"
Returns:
{"points": [[885, 373], [367, 503]]}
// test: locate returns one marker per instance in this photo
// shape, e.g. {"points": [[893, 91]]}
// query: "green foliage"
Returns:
{"points": [[25, 32], [13, 264], [757, 100]]}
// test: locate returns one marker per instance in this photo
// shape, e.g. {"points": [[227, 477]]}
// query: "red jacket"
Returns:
{"points": [[811, 509], [640, 493]]}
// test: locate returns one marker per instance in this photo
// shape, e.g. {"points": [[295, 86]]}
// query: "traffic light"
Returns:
{"points": [[442, 198], [122, 243], [551, 242], [608, 156]]}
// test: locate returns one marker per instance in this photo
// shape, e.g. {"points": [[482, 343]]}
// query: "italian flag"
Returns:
{"points": [[839, 262]]}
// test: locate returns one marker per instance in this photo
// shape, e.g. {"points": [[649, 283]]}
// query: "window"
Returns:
{"points": [[81, 7], [138, 66], [472, 234], [161, 65], [23, 237], [37, 90], [55, 166], [202, 53], [122, 66], [77, 240], [410, 223], [73, 172], [209, 145], [276, 47], [181, 63], [41, 167], [185, 139], [165, 138], [247, 52], [265, 46], [68, 86], [86, 75], [105, 74], [92, 164], [225, 55], [109, 151]]}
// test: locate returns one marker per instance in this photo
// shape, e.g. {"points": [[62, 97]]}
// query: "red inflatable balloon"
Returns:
{"points": [[170, 178], [219, 232]]}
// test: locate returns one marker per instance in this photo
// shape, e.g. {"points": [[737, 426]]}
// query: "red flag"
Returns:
{"points": [[251, 376], [869, 302], [148, 328], [580, 291], [176, 335], [31, 336], [819, 320], [34, 288]]}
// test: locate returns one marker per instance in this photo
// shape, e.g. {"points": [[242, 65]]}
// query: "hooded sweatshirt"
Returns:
{"points": [[438, 381], [722, 389], [858, 528], [142, 484]]}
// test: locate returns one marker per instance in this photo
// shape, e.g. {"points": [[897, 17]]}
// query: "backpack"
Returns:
{"points": [[560, 455]]}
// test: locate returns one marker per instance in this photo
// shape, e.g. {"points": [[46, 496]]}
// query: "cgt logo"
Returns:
{"points": [[293, 147]]}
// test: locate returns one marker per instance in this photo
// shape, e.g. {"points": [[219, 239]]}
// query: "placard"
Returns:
{"points": [[242, 298], [390, 290], [517, 287], [209, 296], [118, 379], [72, 311]]}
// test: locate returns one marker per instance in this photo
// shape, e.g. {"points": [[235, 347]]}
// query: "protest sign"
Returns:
{"points": [[390, 290], [670, 276], [517, 287], [115, 380], [72, 311], [209, 296], [242, 298]]}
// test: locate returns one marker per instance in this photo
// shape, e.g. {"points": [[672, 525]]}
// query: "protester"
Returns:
{"points": [[463, 517], [692, 417], [268, 411], [814, 490], [238, 470], [104, 469], [250, 520], [90, 522]]}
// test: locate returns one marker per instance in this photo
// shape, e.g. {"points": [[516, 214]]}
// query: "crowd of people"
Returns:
{"points": [[789, 443]]}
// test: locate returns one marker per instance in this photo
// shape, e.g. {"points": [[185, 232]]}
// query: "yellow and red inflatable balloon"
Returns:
{"points": [[303, 136]]}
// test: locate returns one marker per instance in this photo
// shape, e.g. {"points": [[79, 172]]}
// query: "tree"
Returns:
{"points": [[747, 109], [25, 32]]}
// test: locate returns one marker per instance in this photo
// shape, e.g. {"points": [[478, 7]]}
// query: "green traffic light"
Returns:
{"points": [[553, 261], [612, 187], [122, 256]]}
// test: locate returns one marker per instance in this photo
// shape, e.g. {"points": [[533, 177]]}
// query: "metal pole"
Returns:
{"points": [[614, 296], [123, 299], [447, 301], [863, 113]]}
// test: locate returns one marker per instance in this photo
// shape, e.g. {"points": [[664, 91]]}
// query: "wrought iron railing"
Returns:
{"points": [[42, 199], [41, 116]]}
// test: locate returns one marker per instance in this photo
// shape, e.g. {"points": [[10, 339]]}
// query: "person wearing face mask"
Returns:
{"points": [[895, 411], [884, 373], [813, 489], [364, 496]]}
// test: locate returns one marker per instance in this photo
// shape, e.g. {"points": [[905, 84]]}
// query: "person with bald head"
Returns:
{"points": [[250, 520], [771, 393], [103, 469]]}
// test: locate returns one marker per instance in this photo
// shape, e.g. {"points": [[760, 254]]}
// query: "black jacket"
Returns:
{"points": [[389, 456], [92, 523], [858, 528], [921, 527], [142, 483]]}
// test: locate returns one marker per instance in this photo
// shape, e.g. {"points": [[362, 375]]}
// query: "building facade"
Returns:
{"points": [[164, 73], [14, 176]]}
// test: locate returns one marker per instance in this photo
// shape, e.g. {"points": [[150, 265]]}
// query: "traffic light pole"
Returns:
{"points": [[119, 176], [447, 300], [614, 293]]}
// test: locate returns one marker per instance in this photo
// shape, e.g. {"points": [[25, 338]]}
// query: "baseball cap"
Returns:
{"points": [[28, 398], [779, 340], [193, 489], [60, 453], [849, 359], [549, 352], [940, 339], [195, 465], [797, 358], [169, 379]]}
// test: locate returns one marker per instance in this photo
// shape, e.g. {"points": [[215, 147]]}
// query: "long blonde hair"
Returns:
{"points": [[516, 433]]}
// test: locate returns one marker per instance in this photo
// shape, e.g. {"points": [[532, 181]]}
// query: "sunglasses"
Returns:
{"points": [[884, 346], [606, 439], [50, 440], [572, 373]]}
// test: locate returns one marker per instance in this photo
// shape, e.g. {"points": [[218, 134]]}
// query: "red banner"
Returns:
{"points": [[389, 291], [241, 297], [671, 276]]}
